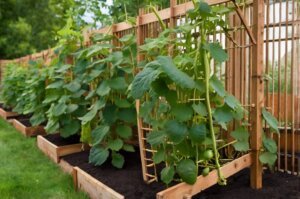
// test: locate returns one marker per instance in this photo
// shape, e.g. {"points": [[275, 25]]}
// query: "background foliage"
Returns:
{"points": [[29, 26]]}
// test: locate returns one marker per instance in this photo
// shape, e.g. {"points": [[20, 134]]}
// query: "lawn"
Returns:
{"points": [[26, 173]]}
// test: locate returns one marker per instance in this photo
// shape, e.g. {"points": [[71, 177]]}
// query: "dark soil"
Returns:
{"points": [[60, 141], [7, 109], [129, 182], [275, 186], [25, 122], [20, 117]]}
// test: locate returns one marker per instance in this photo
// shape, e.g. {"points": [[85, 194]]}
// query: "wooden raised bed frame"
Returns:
{"points": [[5, 114], [28, 131], [55, 152], [98, 190]]}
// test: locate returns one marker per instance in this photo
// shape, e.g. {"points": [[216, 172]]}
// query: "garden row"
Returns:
{"points": [[87, 98]]}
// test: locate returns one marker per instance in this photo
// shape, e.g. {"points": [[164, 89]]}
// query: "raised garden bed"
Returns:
{"points": [[54, 146], [24, 126], [109, 182], [6, 113]]}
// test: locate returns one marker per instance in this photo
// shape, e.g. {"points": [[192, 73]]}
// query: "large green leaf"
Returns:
{"points": [[182, 112], [271, 120], [142, 82], [99, 133], [59, 109], [231, 101], [52, 126], [118, 83], [124, 131], [223, 114], [268, 158], [176, 131], [129, 148], [109, 114], [242, 146], [167, 174], [270, 145], [56, 84], [98, 49], [187, 171], [127, 115], [103, 89], [217, 52], [217, 85], [200, 108], [198, 133], [98, 156], [156, 137], [180, 78], [71, 128], [204, 9], [242, 136], [159, 156], [73, 86], [122, 103], [117, 160], [71, 108], [92, 113], [116, 144]]}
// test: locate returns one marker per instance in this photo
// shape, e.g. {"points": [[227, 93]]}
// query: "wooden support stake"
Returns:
{"points": [[257, 93]]}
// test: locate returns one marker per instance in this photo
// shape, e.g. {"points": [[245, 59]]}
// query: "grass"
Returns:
{"points": [[26, 173]]}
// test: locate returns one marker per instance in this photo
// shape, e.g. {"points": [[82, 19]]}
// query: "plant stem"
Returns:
{"points": [[222, 180], [225, 145], [162, 24]]}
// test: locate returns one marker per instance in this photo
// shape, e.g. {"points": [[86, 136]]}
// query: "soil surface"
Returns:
{"points": [[275, 186], [7, 109], [20, 117], [128, 181], [25, 122], [60, 141]]}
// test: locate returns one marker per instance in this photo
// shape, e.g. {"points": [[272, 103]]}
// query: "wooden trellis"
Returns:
{"points": [[259, 47]]}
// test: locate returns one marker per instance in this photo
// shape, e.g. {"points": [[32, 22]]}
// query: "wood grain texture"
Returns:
{"points": [[94, 188], [182, 190]]}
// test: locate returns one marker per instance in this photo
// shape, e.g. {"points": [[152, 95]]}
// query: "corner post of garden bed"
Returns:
{"points": [[257, 93]]}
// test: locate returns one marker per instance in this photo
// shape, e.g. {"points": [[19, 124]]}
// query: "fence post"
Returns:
{"points": [[257, 93]]}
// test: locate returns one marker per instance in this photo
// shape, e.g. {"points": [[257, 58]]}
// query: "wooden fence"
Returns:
{"points": [[257, 51]]}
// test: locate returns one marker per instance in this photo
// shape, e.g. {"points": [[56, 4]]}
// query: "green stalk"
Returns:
{"points": [[221, 180], [162, 24]]}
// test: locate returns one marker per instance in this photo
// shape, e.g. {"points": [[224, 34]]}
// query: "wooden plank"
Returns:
{"points": [[4, 114], [69, 149], [181, 9], [181, 190], [28, 131], [122, 26], [244, 21], [257, 92], [47, 148], [65, 166], [94, 188]]}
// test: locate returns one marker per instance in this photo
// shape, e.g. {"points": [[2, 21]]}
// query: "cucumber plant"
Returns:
{"points": [[188, 103], [33, 93], [12, 85], [111, 117]]}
